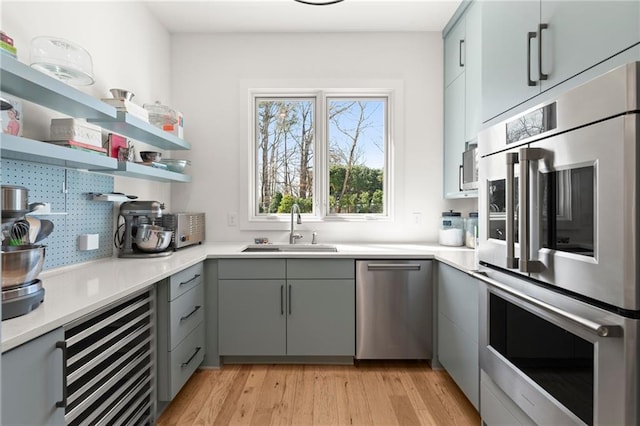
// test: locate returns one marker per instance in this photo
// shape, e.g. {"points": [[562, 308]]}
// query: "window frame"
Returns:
{"points": [[391, 92]]}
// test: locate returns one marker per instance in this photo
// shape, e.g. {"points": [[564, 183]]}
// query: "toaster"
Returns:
{"points": [[188, 228]]}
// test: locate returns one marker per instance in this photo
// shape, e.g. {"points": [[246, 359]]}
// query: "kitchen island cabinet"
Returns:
{"points": [[32, 382], [292, 307], [458, 329]]}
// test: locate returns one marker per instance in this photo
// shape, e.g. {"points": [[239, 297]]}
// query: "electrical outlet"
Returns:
{"points": [[417, 218], [232, 219]]}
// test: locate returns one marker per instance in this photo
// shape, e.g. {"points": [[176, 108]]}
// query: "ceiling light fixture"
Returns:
{"points": [[319, 2]]}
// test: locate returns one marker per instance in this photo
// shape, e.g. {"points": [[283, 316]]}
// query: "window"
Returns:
{"points": [[327, 153]]}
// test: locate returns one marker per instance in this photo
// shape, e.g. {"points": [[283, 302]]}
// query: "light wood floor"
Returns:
{"points": [[377, 393]]}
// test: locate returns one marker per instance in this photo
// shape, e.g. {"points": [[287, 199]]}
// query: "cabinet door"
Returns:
{"points": [[584, 33], [473, 70], [454, 142], [458, 329], [454, 52], [321, 317], [505, 25], [251, 315], [32, 382]]}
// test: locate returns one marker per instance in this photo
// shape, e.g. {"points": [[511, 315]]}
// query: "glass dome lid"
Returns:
{"points": [[62, 59]]}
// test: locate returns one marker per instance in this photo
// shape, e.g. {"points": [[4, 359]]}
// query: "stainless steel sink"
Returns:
{"points": [[304, 248]]}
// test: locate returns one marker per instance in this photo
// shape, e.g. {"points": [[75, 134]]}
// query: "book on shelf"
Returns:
{"points": [[114, 143], [9, 48], [79, 145], [5, 38]]}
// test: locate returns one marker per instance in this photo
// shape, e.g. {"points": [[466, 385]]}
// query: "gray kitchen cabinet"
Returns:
{"points": [[32, 382], [573, 37], [454, 53], [321, 307], [181, 329], [461, 96], [302, 307], [251, 315], [457, 332]]}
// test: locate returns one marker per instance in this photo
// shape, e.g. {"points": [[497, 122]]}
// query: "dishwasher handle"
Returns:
{"points": [[393, 266]]}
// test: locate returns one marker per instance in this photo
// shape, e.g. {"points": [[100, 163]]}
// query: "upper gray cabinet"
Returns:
{"points": [[462, 80], [531, 46], [454, 53]]}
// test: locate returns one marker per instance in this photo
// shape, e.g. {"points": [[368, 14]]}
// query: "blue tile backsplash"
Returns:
{"points": [[68, 191]]}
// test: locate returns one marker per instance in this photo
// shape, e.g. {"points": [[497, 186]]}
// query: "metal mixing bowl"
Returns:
{"points": [[121, 94], [21, 264], [152, 240], [147, 156]]}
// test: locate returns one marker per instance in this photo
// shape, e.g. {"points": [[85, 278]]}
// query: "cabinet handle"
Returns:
{"points": [[63, 347], [185, 364], [542, 76], [460, 177], [281, 301], [393, 267], [196, 276], [460, 43], [530, 35], [289, 299], [186, 317]]}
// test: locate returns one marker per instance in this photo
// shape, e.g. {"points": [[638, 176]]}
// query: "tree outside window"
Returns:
{"points": [[354, 144]]}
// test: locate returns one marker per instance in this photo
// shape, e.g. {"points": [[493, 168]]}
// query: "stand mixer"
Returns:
{"points": [[138, 236], [22, 262]]}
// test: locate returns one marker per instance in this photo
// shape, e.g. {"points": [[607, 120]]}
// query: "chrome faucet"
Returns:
{"points": [[293, 236]]}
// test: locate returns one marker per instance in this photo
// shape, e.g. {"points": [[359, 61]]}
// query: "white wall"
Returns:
{"points": [[209, 77], [129, 48]]}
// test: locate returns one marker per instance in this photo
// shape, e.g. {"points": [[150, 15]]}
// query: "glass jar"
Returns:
{"points": [[471, 230], [161, 116], [451, 231]]}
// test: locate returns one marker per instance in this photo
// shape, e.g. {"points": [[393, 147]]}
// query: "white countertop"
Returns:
{"points": [[78, 290]]}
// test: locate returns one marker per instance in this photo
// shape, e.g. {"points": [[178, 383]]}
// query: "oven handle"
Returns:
{"points": [[512, 160], [526, 156], [601, 330]]}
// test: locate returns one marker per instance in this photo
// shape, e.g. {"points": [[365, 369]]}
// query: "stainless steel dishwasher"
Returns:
{"points": [[394, 300]]}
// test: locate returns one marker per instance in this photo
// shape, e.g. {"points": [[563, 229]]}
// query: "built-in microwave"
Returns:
{"points": [[469, 169]]}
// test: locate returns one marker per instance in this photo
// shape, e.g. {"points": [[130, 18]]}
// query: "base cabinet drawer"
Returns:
{"points": [[178, 365], [185, 313], [185, 280]]}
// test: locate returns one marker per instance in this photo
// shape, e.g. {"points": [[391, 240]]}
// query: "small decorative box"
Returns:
{"points": [[10, 115]]}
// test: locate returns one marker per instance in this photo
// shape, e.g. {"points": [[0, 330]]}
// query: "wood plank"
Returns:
{"points": [[359, 410], [271, 394], [245, 406], [304, 397], [283, 414], [404, 411], [208, 401], [325, 402], [382, 410]]}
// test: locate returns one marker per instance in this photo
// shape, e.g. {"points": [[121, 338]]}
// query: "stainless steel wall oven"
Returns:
{"points": [[558, 197]]}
